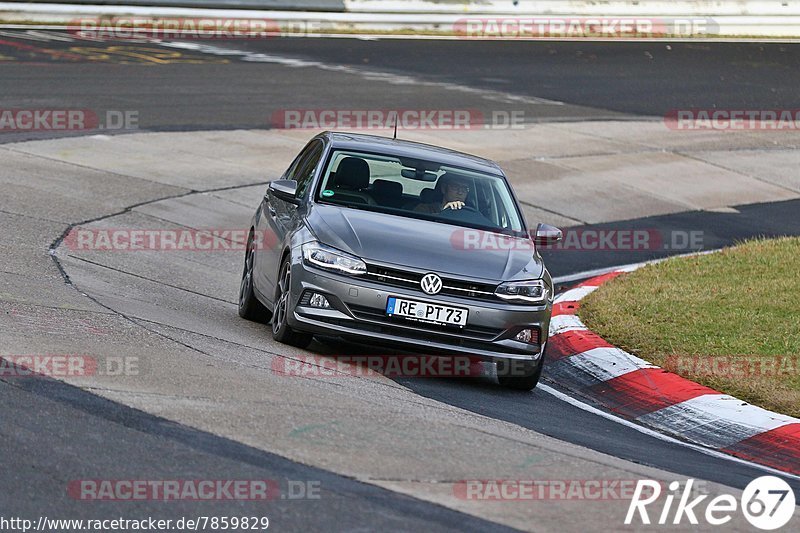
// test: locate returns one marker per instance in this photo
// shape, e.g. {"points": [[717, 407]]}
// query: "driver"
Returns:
{"points": [[454, 195]]}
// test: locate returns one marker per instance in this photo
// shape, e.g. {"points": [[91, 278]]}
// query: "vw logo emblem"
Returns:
{"points": [[431, 283]]}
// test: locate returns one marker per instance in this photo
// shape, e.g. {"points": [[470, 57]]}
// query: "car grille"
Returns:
{"points": [[379, 315], [452, 287]]}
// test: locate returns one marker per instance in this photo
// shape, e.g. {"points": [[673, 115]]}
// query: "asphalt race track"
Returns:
{"points": [[54, 432], [191, 90]]}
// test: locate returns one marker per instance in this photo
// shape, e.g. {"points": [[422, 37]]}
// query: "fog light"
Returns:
{"points": [[524, 335], [531, 336], [318, 300]]}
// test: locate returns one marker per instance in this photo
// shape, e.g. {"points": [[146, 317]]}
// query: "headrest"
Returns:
{"points": [[387, 188], [353, 174]]}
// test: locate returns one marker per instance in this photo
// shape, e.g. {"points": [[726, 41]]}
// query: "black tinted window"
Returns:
{"points": [[302, 170]]}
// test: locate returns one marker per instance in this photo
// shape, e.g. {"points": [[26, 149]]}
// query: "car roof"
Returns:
{"points": [[396, 147]]}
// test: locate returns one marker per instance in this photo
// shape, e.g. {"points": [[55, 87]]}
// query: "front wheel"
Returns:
{"points": [[519, 375], [281, 331]]}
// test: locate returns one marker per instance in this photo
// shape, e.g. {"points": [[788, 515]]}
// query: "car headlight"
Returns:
{"points": [[322, 256], [529, 292]]}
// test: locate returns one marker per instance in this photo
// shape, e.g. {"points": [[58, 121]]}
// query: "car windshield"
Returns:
{"points": [[419, 189]]}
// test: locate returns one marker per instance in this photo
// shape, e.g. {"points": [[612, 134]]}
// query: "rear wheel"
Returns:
{"points": [[249, 306], [519, 375], [281, 331]]}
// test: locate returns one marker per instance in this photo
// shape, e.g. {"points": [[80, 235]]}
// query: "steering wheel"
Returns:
{"points": [[465, 207], [467, 213]]}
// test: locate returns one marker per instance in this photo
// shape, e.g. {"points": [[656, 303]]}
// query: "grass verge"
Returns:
{"points": [[729, 320]]}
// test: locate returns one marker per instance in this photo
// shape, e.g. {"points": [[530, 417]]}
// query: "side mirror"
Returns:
{"points": [[285, 190], [547, 235]]}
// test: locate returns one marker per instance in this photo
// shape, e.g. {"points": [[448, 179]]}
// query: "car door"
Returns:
{"points": [[281, 218]]}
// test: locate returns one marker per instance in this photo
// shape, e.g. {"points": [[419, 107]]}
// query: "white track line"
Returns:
{"points": [[652, 433], [604, 364], [578, 293], [717, 420], [565, 324], [368, 74]]}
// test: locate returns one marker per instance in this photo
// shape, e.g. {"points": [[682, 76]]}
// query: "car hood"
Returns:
{"points": [[425, 245]]}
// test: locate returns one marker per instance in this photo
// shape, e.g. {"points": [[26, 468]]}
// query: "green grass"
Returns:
{"points": [[729, 320]]}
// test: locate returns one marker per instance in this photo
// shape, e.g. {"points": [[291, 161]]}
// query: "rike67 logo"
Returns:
{"points": [[767, 503]]}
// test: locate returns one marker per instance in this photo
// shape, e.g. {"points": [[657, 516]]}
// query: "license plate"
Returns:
{"points": [[426, 312]]}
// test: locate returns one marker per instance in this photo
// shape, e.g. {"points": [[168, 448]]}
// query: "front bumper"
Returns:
{"points": [[358, 311]]}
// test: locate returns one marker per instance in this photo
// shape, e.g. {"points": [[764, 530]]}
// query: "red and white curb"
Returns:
{"points": [[585, 363]]}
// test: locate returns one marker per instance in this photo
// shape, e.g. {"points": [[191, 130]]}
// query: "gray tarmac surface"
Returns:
{"points": [[207, 402]]}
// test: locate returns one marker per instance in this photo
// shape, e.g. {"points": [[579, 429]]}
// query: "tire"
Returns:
{"points": [[519, 375], [249, 306], [281, 331]]}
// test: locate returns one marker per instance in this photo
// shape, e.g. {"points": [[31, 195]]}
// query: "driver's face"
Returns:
{"points": [[457, 191]]}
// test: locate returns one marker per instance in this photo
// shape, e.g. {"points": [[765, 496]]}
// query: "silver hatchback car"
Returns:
{"points": [[400, 243]]}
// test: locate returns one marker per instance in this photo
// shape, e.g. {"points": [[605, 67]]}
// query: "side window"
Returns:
{"points": [[302, 170]]}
